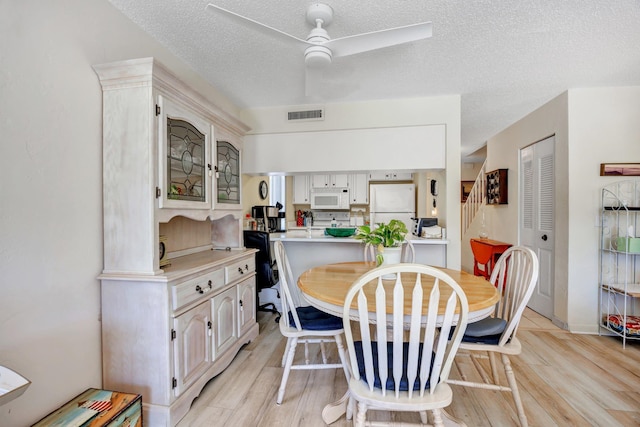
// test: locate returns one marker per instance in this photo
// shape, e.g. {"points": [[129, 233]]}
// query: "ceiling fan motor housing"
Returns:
{"points": [[317, 56]]}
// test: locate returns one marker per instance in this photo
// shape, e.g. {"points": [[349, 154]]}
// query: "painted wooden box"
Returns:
{"points": [[97, 408]]}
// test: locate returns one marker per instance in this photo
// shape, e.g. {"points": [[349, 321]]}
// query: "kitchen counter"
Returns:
{"points": [[317, 235], [306, 251]]}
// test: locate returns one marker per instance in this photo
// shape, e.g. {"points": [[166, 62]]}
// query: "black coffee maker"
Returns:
{"points": [[268, 215]]}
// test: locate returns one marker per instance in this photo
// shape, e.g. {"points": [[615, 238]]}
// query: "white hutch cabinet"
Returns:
{"points": [[169, 153]]}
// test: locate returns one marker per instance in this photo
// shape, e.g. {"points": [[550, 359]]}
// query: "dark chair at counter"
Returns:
{"points": [[266, 276]]}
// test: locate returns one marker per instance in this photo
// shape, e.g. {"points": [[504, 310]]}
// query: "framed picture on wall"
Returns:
{"points": [[465, 189], [619, 169]]}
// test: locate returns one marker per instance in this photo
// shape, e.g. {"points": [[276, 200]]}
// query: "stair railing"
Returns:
{"points": [[475, 200]]}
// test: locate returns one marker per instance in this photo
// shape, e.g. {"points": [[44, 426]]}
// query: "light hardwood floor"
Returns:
{"points": [[565, 380]]}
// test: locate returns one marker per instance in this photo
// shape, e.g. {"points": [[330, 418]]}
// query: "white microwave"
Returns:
{"points": [[330, 198]]}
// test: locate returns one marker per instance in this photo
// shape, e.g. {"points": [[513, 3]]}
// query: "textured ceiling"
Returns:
{"points": [[505, 58]]}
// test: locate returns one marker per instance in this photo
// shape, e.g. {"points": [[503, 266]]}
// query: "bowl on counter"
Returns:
{"points": [[340, 232]]}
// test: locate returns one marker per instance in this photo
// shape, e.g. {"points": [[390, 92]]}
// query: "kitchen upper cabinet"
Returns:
{"points": [[390, 176], [334, 180], [359, 188], [301, 184]]}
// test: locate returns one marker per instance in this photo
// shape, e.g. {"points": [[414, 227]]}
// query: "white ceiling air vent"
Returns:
{"points": [[306, 115]]}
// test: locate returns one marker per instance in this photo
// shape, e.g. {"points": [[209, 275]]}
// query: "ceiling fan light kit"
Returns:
{"points": [[321, 49]]}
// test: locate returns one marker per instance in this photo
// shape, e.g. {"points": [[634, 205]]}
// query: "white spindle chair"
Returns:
{"points": [[304, 325], [416, 349], [515, 275]]}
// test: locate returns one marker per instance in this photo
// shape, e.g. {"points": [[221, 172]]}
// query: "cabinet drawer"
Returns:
{"points": [[240, 269], [191, 290]]}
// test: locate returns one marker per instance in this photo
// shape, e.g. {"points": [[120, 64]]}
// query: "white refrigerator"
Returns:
{"points": [[392, 201]]}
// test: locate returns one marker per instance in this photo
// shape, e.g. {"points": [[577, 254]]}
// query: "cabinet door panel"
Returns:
{"points": [[227, 193], [185, 158], [301, 189], [192, 346], [359, 188], [319, 181], [340, 180], [225, 309], [246, 305]]}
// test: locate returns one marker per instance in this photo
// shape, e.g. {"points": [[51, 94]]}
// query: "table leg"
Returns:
{"points": [[333, 411]]}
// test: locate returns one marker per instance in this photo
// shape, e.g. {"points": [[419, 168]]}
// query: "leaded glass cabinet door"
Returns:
{"points": [[228, 175], [185, 159]]}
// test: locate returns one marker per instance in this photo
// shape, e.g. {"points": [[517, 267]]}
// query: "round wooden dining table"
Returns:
{"points": [[325, 287]]}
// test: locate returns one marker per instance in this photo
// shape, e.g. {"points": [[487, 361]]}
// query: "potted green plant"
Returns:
{"points": [[390, 235]]}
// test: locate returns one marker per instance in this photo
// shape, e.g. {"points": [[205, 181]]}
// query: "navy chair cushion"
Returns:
{"points": [[313, 319], [390, 383], [485, 331]]}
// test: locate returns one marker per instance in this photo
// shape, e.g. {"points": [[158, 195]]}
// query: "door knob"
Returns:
{"points": [[544, 237]]}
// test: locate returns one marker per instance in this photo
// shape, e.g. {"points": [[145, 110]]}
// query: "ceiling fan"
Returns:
{"points": [[320, 49]]}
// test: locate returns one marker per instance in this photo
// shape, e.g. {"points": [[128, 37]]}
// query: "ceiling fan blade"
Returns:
{"points": [[257, 25], [364, 42]]}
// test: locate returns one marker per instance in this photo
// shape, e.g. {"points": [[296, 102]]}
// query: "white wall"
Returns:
{"points": [[436, 111], [591, 126], [51, 209], [604, 127], [503, 152]]}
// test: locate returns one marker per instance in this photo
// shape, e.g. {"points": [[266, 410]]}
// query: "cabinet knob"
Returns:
{"points": [[199, 289], [210, 286], [246, 266], [544, 237], [240, 270]]}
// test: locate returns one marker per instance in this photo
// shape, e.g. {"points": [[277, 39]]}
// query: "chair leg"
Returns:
{"points": [[286, 352], [323, 352], [437, 417], [424, 419], [287, 369], [343, 357], [511, 378], [494, 367], [351, 410], [361, 416]]}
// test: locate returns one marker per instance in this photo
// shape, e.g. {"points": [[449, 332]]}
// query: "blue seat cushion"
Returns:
{"points": [[485, 331], [390, 383], [313, 319]]}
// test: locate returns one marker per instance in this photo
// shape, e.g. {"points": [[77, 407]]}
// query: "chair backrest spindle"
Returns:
{"points": [[421, 355]]}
